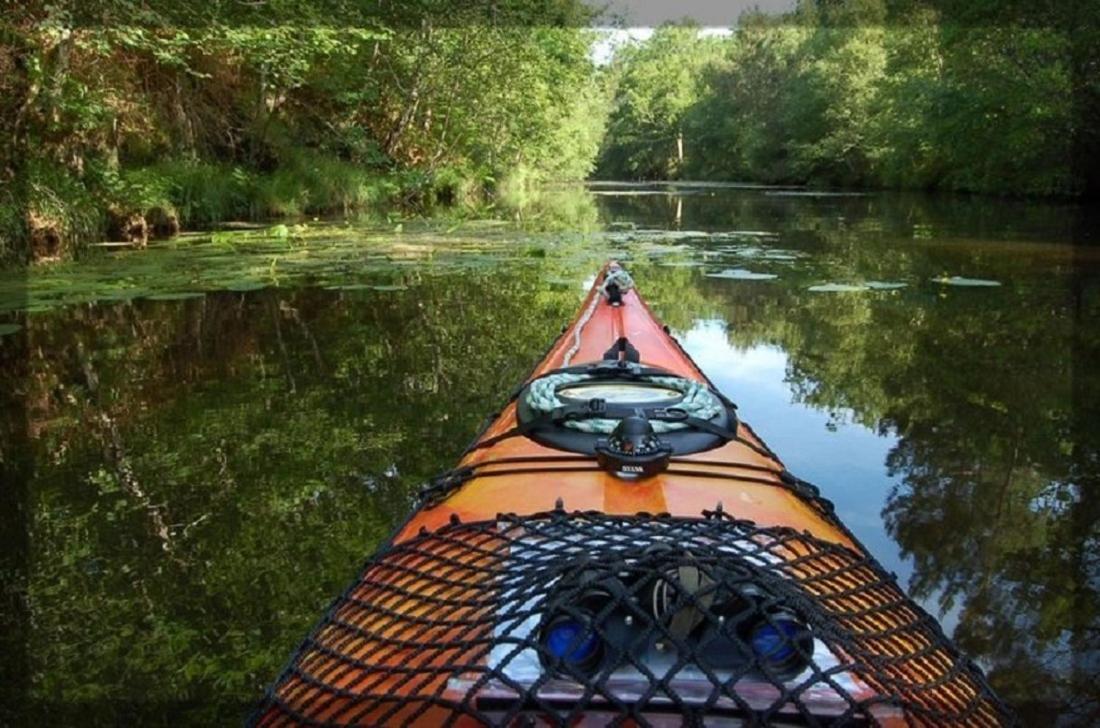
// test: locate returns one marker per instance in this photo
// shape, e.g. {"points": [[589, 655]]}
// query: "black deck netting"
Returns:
{"points": [[568, 618]]}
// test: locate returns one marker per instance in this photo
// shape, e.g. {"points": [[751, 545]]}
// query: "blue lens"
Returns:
{"points": [[567, 640], [774, 641]]}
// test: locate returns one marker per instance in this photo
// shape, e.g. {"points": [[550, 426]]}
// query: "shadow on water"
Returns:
{"points": [[196, 477]]}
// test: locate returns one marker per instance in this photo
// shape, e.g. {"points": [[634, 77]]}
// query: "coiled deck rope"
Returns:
{"points": [[698, 401], [617, 276]]}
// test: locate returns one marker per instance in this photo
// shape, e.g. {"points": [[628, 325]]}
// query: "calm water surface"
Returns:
{"points": [[203, 441]]}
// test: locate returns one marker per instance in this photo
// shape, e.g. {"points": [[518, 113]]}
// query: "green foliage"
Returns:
{"points": [[1005, 124], [565, 208], [656, 83], [303, 183], [581, 116], [742, 119], [872, 94], [58, 201], [306, 108], [525, 99], [829, 108], [202, 192], [12, 228], [311, 183], [298, 469]]}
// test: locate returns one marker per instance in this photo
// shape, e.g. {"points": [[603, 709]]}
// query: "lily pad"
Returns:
{"points": [[764, 253], [180, 296], [884, 285], [748, 234], [961, 281], [6, 329], [740, 274], [837, 288]]}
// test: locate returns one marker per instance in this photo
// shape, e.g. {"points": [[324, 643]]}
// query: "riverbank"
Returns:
{"points": [[59, 215], [131, 132]]}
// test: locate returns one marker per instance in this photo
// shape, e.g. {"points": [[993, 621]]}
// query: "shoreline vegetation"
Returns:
{"points": [[148, 118]]}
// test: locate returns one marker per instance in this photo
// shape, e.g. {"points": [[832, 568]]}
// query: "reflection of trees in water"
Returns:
{"points": [[15, 470], [272, 438], [1002, 539], [994, 398], [900, 214], [999, 504]]}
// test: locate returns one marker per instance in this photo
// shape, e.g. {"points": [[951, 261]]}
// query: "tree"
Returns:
{"points": [[658, 81]]}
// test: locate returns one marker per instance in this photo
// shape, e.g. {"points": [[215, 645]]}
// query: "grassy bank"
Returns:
{"points": [[56, 214]]}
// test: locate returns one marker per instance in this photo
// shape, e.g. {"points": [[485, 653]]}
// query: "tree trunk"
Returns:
{"points": [[412, 100], [183, 119]]}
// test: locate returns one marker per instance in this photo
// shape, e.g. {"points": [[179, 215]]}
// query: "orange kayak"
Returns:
{"points": [[616, 546]]}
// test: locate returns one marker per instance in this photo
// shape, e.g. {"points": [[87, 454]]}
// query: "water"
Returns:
{"points": [[191, 477]]}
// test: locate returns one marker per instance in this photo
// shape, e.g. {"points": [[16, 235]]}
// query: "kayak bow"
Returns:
{"points": [[617, 546]]}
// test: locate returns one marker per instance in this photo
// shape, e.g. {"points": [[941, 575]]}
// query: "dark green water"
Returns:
{"points": [[190, 479]]}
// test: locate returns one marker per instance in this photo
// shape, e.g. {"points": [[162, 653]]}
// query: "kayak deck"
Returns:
{"points": [[744, 470], [536, 585]]}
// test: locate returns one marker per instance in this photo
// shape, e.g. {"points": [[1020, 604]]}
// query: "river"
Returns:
{"points": [[207, 438]]}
